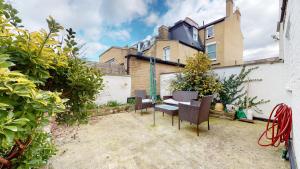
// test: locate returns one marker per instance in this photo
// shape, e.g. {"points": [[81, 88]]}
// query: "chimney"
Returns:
{"points": [[163, 32], [238, 13], [229, 8]]}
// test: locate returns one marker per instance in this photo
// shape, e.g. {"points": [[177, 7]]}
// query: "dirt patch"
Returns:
{"points": [[129, 140]]}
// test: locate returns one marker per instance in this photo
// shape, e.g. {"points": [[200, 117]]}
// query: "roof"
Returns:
{"points": [[147, 58], [212, 23], [116, 47], [183, 32]]}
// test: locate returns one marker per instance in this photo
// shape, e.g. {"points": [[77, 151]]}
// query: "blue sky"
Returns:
{"points": [[104, 23]]}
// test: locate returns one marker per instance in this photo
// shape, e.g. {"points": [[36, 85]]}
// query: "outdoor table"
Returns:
{"points": [[164, 108]]}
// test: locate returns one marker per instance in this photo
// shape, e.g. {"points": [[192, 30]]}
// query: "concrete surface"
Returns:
{"points": [[129, 140]]}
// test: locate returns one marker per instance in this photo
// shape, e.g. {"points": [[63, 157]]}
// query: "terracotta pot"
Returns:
{"points": [[219, 107]]}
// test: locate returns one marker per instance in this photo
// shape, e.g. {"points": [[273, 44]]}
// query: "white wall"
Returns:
{"points": [[117, 88], [290, 51], [272, 87]]}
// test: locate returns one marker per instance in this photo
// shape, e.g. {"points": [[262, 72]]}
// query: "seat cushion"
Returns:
{"points": [[174, 102], [146, 101]]}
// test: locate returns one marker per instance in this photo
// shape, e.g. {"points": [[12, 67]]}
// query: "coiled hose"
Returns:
{"points": [[279, 129]]}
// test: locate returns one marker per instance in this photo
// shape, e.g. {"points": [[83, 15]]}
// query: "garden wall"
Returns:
{"points": [[273, 86], [117, 88]]}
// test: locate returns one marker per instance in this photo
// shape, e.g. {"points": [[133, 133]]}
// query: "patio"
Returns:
{"points": [[129, 140]]}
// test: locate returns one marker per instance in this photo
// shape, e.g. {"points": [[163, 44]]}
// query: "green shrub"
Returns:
{"points": [[197, 76], [113, 104], [24, 111]]}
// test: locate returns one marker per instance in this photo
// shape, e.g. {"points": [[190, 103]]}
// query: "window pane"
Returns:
{"points": [[211, 51], [167, 53], [195, 34], [210, 31]]}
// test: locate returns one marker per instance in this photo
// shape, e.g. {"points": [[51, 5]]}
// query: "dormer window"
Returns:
{"points": [[210, 33], [195, 34]]}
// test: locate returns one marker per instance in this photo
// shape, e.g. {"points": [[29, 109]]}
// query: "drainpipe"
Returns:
{"points": [[128, 62]]}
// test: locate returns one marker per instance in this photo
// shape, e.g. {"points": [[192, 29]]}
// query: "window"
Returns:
{"points": [[211, 51], [167, 53], [111, 61], [195, 34], [210, 32]]}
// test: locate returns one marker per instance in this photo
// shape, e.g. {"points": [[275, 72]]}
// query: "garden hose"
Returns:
{"points": [[279, 128]]}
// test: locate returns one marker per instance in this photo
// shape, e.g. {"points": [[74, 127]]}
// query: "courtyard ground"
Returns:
{"points": [[129, 140]]}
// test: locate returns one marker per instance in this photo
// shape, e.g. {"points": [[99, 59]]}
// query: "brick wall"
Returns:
{"points": [[140, 74]]}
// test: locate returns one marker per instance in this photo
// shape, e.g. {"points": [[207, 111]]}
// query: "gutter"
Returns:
{"points": [[283, 9], [146, 58]]}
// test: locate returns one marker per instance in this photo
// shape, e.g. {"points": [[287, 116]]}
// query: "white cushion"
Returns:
{"points": [[146, 101], [174, 102]]}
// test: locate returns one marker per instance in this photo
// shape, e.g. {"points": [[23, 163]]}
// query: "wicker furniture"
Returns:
{"points": [[164, 108], [195, 113], [142, 101], [183, 97]]}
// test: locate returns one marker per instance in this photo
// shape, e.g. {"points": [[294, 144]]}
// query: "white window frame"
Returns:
{"points": [[211, 43], [164, 53], [213, 31], [195, 34]]}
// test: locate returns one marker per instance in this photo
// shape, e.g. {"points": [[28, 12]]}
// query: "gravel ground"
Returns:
{"points": [[130, 141]]}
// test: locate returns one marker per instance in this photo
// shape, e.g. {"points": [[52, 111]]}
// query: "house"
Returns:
{"points": [[221, 39], [289, 41]]}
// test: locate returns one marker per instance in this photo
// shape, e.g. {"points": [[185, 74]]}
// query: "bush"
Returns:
{"points": [[22, 113], [34, 69], [113, 104], [197, 76]]}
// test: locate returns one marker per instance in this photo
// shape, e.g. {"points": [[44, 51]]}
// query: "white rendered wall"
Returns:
{"points": [[117, 88], [290, 51], [272, 87]]}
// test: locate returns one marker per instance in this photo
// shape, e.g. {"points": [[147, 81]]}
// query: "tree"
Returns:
{"points": [[197, 76]]}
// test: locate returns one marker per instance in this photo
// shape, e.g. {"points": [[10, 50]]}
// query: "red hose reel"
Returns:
{"points": [[279, 129]]}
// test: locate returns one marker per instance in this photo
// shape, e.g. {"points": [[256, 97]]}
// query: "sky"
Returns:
{"points": [[101, 24]]}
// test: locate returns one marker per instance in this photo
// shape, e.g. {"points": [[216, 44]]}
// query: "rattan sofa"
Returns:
{"points": [[183, 97]]}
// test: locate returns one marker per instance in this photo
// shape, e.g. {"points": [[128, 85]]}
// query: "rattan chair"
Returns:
{"points": [[142, 101], [195, 113]]}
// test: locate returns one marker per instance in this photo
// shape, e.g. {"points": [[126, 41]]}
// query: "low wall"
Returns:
{"points": [[117, 88], [272, 87]]}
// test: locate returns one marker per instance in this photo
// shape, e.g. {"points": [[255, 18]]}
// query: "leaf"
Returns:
{"points": [[12, 128], [21, 121]]}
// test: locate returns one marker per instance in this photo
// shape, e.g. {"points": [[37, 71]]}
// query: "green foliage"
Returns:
{"points": [[38, 152], [34, 67], [24, 109], [233, 90], [82, 84], [197, 76], [113, 103]]}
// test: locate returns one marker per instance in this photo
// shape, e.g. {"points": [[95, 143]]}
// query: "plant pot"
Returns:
{"points": [[249, 114], [219, 107]]}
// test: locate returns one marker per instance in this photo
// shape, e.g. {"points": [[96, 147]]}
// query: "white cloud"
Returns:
{"points": [[116, 12], [151, 19], [119, 35], [92, 19]]}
